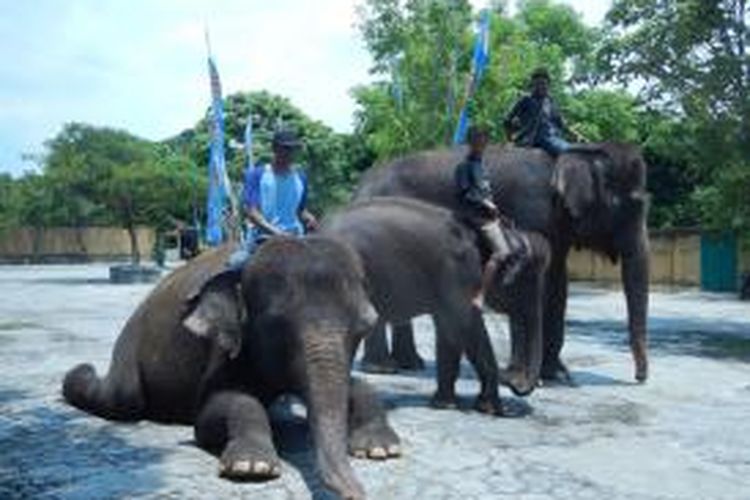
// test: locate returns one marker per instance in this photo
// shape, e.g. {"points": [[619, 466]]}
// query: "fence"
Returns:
{"points": [[63, 244], [675, 255], [676, 259]]}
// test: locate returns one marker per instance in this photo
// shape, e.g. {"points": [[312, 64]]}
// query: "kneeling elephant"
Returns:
{"points": [[214, 348]]}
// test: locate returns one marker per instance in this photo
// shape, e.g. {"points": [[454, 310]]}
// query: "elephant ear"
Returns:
{"points": [[579, 178], [216, 312]]}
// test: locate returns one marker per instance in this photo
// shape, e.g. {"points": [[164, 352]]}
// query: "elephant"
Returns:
{"points": [[421, 259], [212, 348], [593, 196]]}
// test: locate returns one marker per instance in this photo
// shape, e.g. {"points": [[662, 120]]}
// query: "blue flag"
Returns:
{"points": [[249, 140], [218, 185], [396, 88], [479, 64]]}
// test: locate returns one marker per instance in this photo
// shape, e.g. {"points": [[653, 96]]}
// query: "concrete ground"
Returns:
{"points": [[685, 434]]}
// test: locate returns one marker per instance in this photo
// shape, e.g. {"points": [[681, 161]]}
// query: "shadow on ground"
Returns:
{"points": [[678, 336], [48, 452]]}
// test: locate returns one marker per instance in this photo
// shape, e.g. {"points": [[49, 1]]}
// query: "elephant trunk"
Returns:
{"points": [[327, 364], [522, 375], [635, 274]]}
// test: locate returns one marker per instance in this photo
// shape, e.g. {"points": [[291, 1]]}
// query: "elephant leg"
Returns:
{"points": [[235, 426], [556, 300], [482, 357], [370, 434], [404, 349], [377, 358], [448, 352]]}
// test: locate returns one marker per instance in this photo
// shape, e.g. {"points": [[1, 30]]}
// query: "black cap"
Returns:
{"points": [[286, 139]]}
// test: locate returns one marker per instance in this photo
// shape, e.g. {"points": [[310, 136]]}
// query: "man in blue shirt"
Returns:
{"points": [[535, 121], [274, 197]]}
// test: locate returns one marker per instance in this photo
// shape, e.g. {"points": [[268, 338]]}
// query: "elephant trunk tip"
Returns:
{"points": [[641, 373], [518, 382], [342, 481]]}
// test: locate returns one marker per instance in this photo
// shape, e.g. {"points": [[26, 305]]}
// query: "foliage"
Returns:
{"points": [[331, 162], [97, 175], [689, 58], [422, 51], [670, 75], [724, 203]]}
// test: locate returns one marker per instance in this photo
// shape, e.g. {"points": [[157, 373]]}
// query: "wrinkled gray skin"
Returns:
{"points": [[209, 350], [593, 197], [420, 259]]}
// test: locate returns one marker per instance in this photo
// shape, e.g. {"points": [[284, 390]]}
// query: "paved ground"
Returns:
{"points": [[686, 434]]}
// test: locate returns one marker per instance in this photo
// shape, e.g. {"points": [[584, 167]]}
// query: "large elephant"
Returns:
{"points": [[420, 259], [214, 348], [593, 197]]}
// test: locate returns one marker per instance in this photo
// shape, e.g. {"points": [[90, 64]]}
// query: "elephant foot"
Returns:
{"points": [[387, 366], [557, 375], [489, 405], [241, 462], [443, 402], [376, 441], [411, 361]]}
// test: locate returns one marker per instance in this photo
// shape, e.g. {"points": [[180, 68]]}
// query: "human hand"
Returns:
{"points": [[311, 223]]}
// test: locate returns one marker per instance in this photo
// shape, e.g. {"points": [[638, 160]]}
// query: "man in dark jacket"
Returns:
{"points": [[535, 121], [509, 248]]}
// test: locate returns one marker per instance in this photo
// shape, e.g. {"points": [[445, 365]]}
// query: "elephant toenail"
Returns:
{"points": [[378, 453], [241, 467], [261, 468], [394, 450], [276, 470], [360, 454]]}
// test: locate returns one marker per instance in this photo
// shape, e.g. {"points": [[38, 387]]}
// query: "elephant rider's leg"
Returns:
{"points": [[370, 434], [510, 253], [235, 425], [553, 144], [245, 249]]}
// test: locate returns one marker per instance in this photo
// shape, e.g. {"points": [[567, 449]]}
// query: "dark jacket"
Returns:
{"points": [[534, 117], [472, 186]]}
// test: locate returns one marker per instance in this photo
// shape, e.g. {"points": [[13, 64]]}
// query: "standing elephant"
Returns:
{"points": [[420, 259], [593, 196], [214, 348]]}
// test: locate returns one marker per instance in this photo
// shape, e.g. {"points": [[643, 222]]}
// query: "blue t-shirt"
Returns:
{"points": [[279, 197]]}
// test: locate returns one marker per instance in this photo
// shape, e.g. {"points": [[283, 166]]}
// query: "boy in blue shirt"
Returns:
{"points": [[274, 197], [509, 248]]}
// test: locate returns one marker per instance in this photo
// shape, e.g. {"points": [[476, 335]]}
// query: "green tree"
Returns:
{"points": [[329, 157], [98, 175], [431, 44], [690, 59]]}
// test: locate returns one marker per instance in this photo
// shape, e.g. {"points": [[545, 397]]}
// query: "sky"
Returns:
{"points": [[140, 65]]}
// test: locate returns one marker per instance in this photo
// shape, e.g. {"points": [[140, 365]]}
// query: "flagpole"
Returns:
{"points": [[217, 165], [479, 63]]}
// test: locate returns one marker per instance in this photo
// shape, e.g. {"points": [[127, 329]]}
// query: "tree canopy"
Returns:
{"points": [[670, 75]]}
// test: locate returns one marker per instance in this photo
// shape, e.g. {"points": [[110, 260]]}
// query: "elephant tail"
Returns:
{"points": [[85, 390]]}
